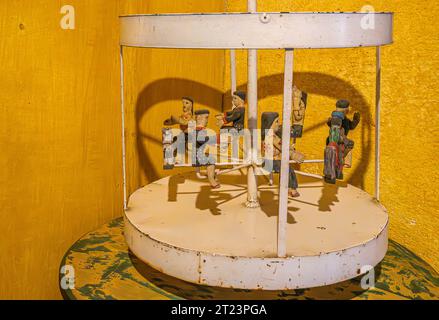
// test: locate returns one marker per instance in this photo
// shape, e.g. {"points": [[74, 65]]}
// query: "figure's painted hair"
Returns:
{"points": [[191, 100], [240, 94]]}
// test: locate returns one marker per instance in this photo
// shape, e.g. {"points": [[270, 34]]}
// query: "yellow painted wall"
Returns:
{"points": [[157, 79], [60, 163], [409, 109], [60, 168]]}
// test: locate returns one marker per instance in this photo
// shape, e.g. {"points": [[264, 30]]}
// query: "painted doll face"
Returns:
{"points": [[202, 120], [237, 101], [275, 126], [187, 106]]}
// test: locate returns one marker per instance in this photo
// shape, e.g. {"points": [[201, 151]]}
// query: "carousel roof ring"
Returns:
{"points": [[268, 30]]}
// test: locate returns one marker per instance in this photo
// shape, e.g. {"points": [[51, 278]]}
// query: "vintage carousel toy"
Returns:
{"points": [[228, 223]]}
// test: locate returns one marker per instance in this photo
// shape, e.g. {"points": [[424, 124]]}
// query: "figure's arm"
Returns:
{"points": [[171, 121], [329, 122], [356, 120], [297, 156]]}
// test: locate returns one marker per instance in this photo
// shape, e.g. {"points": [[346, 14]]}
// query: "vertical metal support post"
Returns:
{"points": [[377, 122], [285, 166], [233, 70], [252, 88], [122, 106]]}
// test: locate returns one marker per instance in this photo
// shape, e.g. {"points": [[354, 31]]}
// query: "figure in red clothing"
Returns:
{"points": [[337, 143]]}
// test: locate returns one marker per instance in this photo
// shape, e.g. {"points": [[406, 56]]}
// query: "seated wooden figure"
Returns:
{"points": [[337, 143], [200, 159], [183, 122], [185, 117], [235, 117], [272, 149], [299, 108]]}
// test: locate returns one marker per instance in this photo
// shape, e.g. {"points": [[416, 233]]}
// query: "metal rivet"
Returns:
{"points": [[265, 18]]}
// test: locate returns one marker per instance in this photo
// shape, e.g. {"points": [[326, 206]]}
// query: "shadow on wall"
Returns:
{"points": [[311, 82]]}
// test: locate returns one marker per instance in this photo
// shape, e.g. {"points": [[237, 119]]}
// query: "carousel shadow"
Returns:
{"points": [[329, 195], [208, 200], [173, 183], [272, 85], [186, 290], [270, 205]]}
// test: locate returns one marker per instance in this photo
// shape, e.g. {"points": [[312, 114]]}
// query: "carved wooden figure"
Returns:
{"points": [[183, 121], [299, 108], [235, 117], [185, 117], [272, 149], [202, 142], [337, 143]]}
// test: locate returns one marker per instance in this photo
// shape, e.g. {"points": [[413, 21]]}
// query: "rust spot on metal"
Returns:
{"points": [[199, 268]]}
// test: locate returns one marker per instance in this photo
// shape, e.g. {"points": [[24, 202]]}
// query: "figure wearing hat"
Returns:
{"points": [[338, 146], [235, 117], [272, 149], [202, 141], [341, 111]]}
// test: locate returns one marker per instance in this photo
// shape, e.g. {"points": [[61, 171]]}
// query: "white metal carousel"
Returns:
{"points": [[272, 242]]}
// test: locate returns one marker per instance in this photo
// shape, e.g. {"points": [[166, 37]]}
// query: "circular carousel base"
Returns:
{"points": [[181, 227]]}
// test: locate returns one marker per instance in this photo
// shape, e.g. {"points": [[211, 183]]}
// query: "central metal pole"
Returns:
{"points": [[252, 89], [285, 165]]}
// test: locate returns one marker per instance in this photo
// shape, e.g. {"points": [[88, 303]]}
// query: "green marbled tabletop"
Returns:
{"points": [[104, 268]]}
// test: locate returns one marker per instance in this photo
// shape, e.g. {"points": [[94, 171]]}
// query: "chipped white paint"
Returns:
{"points": [[272, 30], [255, 272], [237, 247]]}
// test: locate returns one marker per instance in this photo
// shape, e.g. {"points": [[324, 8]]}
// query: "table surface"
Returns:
{"points": [[104, 268]]}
